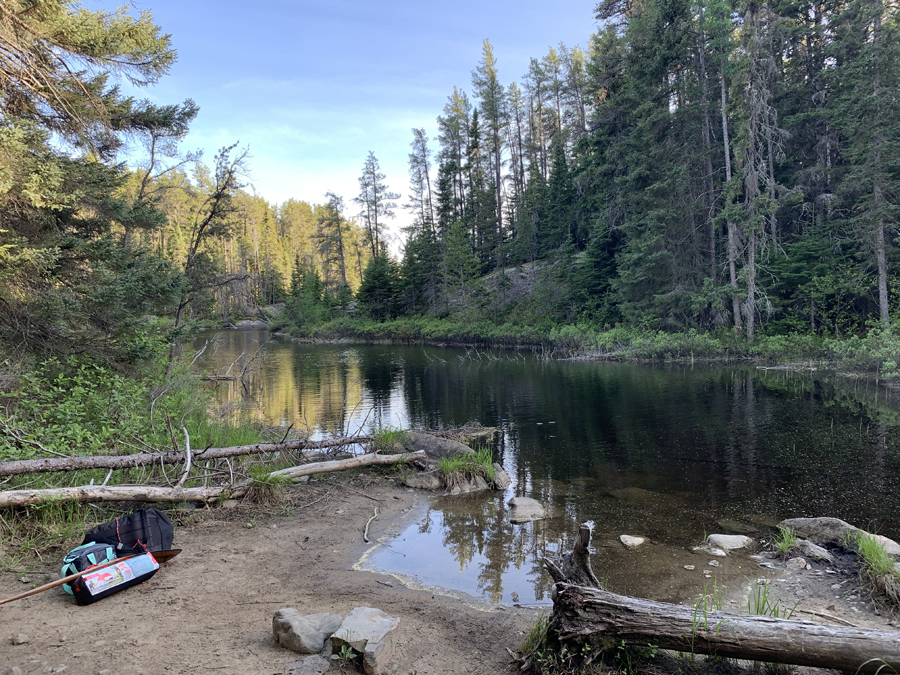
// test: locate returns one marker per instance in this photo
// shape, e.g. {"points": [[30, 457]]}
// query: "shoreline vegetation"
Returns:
{"points": [[872, 354]]}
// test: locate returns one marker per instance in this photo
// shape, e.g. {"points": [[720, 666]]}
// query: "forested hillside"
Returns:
{"points": [[700, 166]]}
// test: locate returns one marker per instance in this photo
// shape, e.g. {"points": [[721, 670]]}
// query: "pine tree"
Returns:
{"points": [[377, 203]]}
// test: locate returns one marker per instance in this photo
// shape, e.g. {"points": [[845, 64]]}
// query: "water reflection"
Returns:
{"points": [[664, 452]]}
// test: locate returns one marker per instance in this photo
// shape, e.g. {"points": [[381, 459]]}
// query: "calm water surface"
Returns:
{"points": [[668, 452]]}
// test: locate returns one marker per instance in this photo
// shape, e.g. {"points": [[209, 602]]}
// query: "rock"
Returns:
{"points": [[12, 670], [834, 531], [435, 447], [737, 526], [20, 639], [630, 541], [303, 633], [369, 632], [689, 567], [24, 580], [230, 504], [249, 324], [710, 550], [308, 665], [473, 484], [501, 478], [525, 509], [796, 564], [424, 480], [813, 551], [729, 542], [713, 563]]}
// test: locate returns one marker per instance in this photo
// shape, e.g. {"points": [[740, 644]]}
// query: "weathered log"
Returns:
{"points": [[50, 465], [151, 493], [589, 615]]}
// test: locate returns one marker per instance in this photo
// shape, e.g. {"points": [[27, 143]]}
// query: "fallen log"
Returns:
{"points": [[152, 493], [584, 614], [50, 465]]}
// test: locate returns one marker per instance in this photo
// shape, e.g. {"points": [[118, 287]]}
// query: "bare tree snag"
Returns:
{"points": [[50, 465], [149, 493], [589, 615]]}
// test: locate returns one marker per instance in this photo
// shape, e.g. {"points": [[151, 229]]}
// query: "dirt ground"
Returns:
{"points": [[210, 609]]}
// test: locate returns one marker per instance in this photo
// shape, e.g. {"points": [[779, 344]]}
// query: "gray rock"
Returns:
{"points": [[474, 484], [813, 551], [371, 633], [525, 509], [729, 542], [834, 530], [425, 480], [434, 446], [796, 564], [20, 639], [710, 550], [12, 670], [308, 665], [630, 541], [303, 633], [501, 478], [248, 324], [713, 563]]}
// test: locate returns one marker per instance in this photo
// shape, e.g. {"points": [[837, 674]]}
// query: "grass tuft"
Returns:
{"points": [[267, 488], [879, 569], [390, 440], [785, 541], [460, 468]]}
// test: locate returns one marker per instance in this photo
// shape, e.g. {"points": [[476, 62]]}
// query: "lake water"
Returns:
{"points": [[671, 452]]}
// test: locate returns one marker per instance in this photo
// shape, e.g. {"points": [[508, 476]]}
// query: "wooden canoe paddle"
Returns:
{"points": [[159, 556]]}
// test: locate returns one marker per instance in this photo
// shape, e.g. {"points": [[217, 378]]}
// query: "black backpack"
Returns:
{"points": [[143, 531]]}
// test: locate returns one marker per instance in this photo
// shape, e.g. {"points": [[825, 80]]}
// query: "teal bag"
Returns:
{"points": [[84, 556]]}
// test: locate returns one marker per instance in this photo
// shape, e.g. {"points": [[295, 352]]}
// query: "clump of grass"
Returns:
{"points": [[879, 569], [460, 468], [537, 636], [761, 604], [389, 439], [785, 541], [267, 488]]}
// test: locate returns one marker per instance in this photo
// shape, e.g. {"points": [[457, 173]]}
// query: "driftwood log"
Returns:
{"points": [[149, 493], [585, 614], [49, 465]]}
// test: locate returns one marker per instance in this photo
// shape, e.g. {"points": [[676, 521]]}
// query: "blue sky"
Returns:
{"points": [[311, 87]]}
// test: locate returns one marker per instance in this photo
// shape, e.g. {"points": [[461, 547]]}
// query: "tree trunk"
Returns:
{"points": [[732, 237], [50, 465], [152, 493], [588, 615], [605, 620]]}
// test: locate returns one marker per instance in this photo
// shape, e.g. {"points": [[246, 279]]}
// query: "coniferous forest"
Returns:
{"points": [[718, 169]]}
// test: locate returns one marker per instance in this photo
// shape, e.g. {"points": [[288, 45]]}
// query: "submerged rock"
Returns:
{"points": [[737, 526], [473, 484], [525, 509], [631, 541], [370, 632], [729, 542], [303, 633]]}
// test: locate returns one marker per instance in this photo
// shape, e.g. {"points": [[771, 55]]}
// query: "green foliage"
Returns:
{"points": [[879, 569], [762, 604], [379, 288], [459, 468], [266, 487], [389, 439], [785, 541]]}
